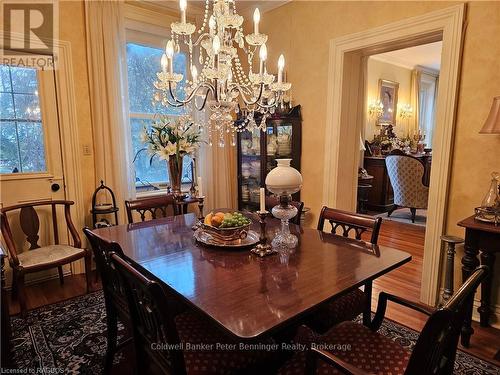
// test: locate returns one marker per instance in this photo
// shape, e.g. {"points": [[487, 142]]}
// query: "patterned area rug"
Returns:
{"points": [[70, 337]]}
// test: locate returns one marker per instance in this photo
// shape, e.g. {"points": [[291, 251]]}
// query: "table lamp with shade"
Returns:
{"points": [[284, 181], [490, 206], [492, 124]]}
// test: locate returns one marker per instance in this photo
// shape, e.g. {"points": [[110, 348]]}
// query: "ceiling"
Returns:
{"points": [[244, 7], [426, 55]]}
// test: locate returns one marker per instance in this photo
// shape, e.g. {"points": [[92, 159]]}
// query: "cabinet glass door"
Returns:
{"points": [[250, 168], [279, 143]]}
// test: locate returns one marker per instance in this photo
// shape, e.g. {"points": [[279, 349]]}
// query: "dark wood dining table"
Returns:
{"points": [[247, 295]]}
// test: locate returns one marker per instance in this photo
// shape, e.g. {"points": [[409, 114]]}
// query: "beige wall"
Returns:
{"points": [[72, 29], [382, 70], [302, 30]]}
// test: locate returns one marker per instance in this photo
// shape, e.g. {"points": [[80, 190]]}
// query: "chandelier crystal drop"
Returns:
{"points": [[217, 79]]}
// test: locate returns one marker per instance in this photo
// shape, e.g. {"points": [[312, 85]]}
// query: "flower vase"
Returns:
{"points": [[175, 173]]}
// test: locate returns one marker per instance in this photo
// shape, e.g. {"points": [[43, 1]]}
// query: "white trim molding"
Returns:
{"points": [[344, 120]]}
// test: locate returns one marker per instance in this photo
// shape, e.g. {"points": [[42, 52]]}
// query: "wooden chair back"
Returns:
{"points": [[152, 320], [350, 223], [436, 347], [154, 207], [272, 200], [114, 291], [30, 225]]}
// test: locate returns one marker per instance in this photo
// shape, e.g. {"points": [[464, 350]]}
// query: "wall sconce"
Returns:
{"points": [[492, 123], [376, 109], [405, 111]]}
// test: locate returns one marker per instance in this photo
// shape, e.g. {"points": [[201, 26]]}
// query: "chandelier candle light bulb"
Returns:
{"points": [[194, 74], [164, 63], [169, 50], [256, 20], [263, 57], [183, 6], [281, 66], [216, 48]]}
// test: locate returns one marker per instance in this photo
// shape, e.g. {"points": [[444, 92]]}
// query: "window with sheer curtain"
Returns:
{"points": [[143, 62]]}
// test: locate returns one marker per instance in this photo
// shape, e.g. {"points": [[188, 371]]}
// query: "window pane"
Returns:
{"points": [[27, 107], [9, 152], [143, 63], [4, 78], [24, 80], [6, 106], [22, 147], [145, 173], [31, 146]]}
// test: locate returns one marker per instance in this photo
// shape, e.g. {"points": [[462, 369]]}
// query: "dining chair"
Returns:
{"points": [[406, 175], [351, 304], [156, 207], [39, 258], [160, 336], [372, 352], [272, 200], [115, 299]]}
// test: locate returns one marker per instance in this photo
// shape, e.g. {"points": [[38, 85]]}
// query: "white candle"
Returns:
{"points": [[164, 63], [216, 48], [183, 6], [256, 19], [200, 187], [170, 55], [281, 65], [263, 57], [262, 199], [194, 74]]}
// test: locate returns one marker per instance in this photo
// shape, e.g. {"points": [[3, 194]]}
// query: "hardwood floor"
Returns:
{"points": [[404, 281]]}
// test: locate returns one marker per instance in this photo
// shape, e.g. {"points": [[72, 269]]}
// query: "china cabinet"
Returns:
{"points": [[258, 151]]}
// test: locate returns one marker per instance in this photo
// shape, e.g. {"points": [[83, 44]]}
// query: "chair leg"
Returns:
{"points": [[61, 275], [112, 334], [15, 289], [394, 208], [367, 312], [413, 214], [21, 292], [88, 271]]}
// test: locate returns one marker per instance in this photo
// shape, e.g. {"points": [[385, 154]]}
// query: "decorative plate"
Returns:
{"points": [[205, 238]]}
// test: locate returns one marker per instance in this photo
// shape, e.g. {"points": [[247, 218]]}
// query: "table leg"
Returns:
{"points": [[487, 259], [469, 263]]}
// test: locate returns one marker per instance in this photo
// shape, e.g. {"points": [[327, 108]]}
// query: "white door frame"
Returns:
{"points": [[343, 123], [68, 128]]}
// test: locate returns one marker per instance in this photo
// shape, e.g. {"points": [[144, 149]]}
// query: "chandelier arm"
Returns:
{"points": [[209, 86], [277, 99], [204, 102], [243, 96], [198, 41]]}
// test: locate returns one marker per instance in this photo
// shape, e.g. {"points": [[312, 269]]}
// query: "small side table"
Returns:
{"points": [[484, 238]]}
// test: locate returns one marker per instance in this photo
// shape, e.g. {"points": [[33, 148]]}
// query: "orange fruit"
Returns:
{"points": [[208, 219], [220, 214], [217, 221]]}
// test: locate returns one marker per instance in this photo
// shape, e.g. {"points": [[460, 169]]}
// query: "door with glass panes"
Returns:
{"points": [[30, 149]]}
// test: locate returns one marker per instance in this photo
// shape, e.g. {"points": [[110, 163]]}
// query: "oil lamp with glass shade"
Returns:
{"points": [[284, 181]]}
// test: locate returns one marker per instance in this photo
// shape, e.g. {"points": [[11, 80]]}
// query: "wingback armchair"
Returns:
{"points": [[406, 175], [39, 258]]}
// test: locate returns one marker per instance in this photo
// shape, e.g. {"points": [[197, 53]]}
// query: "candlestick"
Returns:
{"points": [[200, 187], [262, 199], [169, 50], [263, 248], [263, 57], [200, 208]]}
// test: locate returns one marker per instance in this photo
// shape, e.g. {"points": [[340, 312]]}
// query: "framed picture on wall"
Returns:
{"points": [[388, 96]]}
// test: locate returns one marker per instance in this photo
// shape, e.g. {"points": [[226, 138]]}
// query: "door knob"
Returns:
{"points": [[55, 187]]}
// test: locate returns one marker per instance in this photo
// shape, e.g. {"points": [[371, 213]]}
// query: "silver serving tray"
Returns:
{"points": [[205, 238]]}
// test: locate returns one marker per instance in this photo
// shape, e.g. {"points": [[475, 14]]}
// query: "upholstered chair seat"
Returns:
{"points": [[355, 344], [195, 329], [48, 254]]}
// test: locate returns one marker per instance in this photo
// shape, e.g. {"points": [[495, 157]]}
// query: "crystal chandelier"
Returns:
{"points": [[221, 85]]}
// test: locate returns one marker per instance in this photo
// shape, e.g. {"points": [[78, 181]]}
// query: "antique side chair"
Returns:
{"points": [[156, 207], [40, 258], [350, 305]]}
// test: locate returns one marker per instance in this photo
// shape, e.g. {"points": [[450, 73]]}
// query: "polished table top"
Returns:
{"points": [[245, 294]]}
